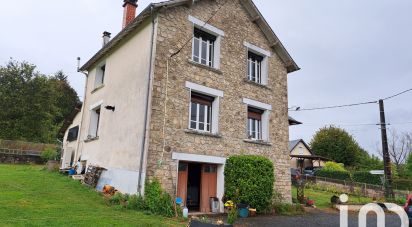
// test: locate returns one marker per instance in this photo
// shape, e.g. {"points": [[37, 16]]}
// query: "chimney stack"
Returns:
{"points": [[106, 38], [129, 13]]}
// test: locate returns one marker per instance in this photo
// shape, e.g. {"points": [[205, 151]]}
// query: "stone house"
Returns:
{"points": [[185, 85]]}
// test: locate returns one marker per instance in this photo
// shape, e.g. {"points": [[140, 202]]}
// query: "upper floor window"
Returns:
{"points": [[94, 122], [206, 43], [255, 123], [254, 67], [203, 47], [204, 108], [73, 133], [100, 73], [257, 120], [201, 112], [257, 64]]}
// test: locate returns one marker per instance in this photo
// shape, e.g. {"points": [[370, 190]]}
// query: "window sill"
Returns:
{"points": [[199, 133], [98, 88], [205, 67], [256, 84], [88, 140], [259, 142]]}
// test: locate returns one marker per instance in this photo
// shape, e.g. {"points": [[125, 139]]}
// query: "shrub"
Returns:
{"points": [[333, 166], [118, 199], [232, 215], [249, 179], [156, 201], [340, 175], [366, 177], [135, 203], [49, 154]]}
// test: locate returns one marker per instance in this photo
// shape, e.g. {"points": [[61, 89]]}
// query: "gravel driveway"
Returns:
{"points": [[314, 219]]}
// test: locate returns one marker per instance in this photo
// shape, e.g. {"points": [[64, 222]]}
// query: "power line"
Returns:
{"points": [[338, 106], [401, 93], [348, 105]]}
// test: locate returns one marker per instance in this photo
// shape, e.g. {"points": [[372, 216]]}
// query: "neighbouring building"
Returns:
{"points": [[183, 86], [301, 156]]}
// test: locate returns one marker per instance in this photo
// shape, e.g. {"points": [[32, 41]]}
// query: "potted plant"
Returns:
{"points": [[50, 156]]}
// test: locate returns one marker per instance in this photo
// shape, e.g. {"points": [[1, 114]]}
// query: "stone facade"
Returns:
{"points": [[168, 130]]}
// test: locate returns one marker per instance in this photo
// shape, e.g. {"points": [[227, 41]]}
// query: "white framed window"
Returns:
{"points": [[258, 115], [95, 113], [254, 67], [254, 123], [203, 47], [204, 108], [201, 112], [206, 43], [100, 74], [257, 64]]}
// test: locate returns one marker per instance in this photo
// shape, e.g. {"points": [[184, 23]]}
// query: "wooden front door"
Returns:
{"points": [[208, 186], [182, 181]]}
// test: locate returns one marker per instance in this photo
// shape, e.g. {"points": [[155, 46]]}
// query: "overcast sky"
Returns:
{"points": [[349, 51]]}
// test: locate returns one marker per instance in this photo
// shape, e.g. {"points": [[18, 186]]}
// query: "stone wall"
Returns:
{"points": [[174, 30], [20, 159]]}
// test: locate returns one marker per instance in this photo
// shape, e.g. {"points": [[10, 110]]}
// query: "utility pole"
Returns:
{"points": [[385, 151]]}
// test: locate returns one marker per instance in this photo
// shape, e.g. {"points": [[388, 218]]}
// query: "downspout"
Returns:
{"points": [[79, 138], [142, 152]]}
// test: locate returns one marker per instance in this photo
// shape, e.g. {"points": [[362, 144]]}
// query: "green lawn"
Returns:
{"points": [[31, 196], [322, 198]]}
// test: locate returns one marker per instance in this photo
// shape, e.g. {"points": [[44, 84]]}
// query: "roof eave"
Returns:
{"points": [[276, 44], [118, 38]]}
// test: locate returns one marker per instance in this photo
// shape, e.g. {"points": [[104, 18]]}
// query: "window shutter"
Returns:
{"points": [[204, 35], [255, 114], [202, 99], [255, 57]]}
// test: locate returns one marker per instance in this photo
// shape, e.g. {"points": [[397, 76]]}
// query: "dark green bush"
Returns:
{"points": [[340, 175], [366, 177], [156, 201], [249, 179]]}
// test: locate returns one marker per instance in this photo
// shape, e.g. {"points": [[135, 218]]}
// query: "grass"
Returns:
{"points": [[31, 196], [322, 198]]}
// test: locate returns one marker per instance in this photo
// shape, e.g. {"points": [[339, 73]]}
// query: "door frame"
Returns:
{"points": [[204, 159]]}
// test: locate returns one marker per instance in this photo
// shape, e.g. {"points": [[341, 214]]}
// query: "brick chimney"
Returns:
{"points": [[129, 13]]}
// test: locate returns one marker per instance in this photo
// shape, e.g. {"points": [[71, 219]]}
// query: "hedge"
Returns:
{"points": [[249, 179], [402, 184], [340, 175], [366, 177]]}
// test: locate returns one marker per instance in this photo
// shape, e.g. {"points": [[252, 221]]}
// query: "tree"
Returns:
{"points": [[400, 146], [408, 165], [33, 106], [337, 144]]}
